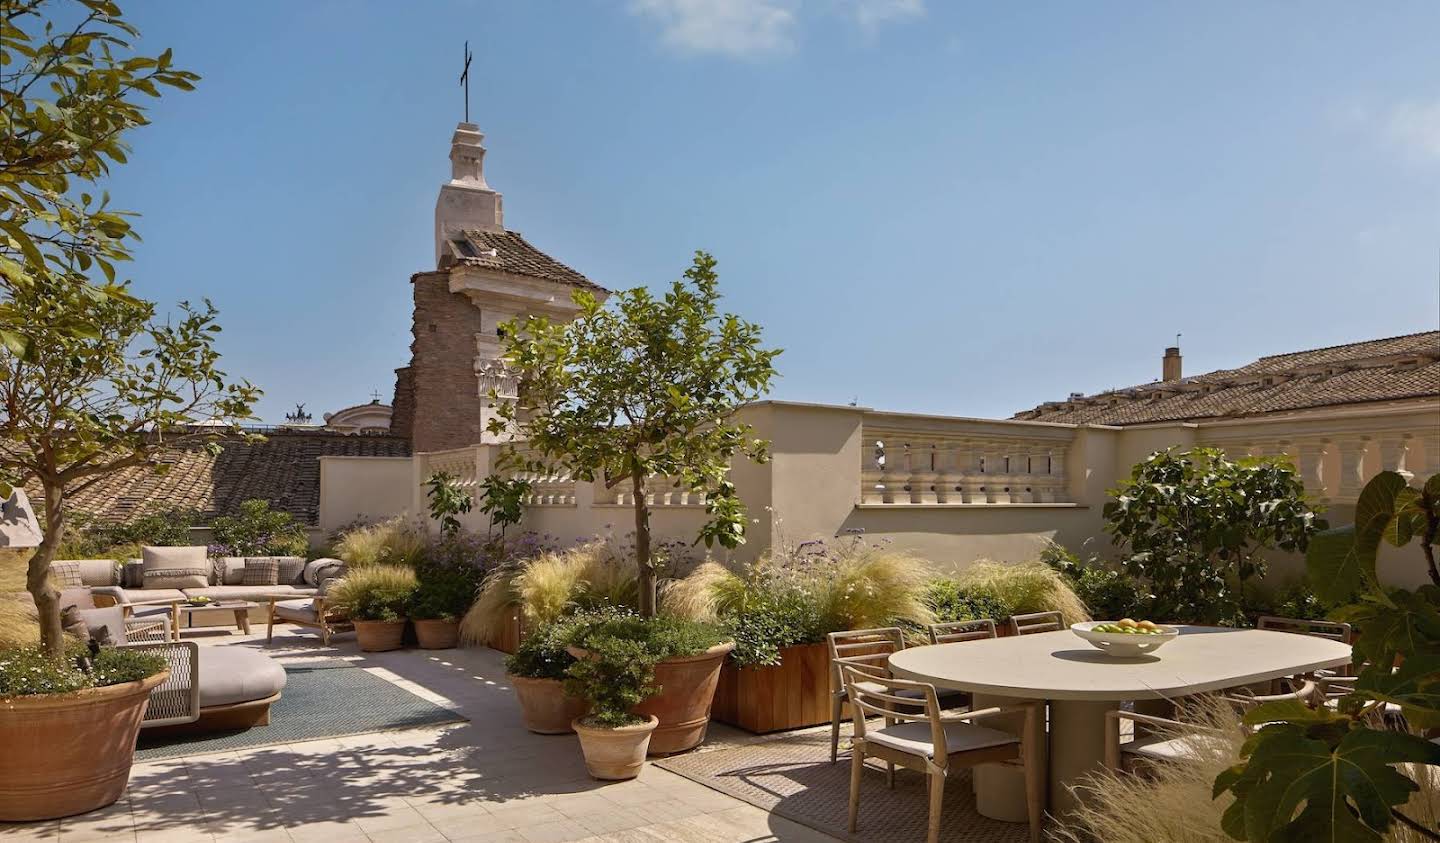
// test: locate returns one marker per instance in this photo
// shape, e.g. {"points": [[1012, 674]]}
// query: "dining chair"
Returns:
{"points": [[1161, 739], [1331, 630], [918, 737], [858, 646], [957, 631], [1036, 622]]}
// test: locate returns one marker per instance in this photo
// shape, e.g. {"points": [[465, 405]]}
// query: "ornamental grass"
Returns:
{"points": [[395, 541], [1024, 587]]}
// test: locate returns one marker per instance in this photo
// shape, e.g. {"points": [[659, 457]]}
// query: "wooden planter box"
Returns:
{"points": [[791, 695], [514, 634]]}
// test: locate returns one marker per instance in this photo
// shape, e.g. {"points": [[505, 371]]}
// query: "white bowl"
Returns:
{"points": [[1123, 645]]}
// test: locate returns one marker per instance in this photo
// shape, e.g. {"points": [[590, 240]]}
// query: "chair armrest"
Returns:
{"points": [[113, 593], [177, 699], [1015, 708]]}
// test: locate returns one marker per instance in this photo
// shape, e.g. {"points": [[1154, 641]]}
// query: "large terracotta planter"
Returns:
{"points": [[67, 754], [379, 636], [615, 754], [435, 634], [769, 698], [547, 709], [687, 690]]}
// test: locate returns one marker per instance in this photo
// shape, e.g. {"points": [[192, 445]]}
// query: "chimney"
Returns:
{"points": [[466, 201], [1170, 364]]}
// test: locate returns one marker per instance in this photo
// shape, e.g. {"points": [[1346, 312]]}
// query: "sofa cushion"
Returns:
{"points": [[151, 595], [261, 572], [230, 675], [104, 623], [229, 570], [296, 610], [256, 593], [318, 570], [292, 569], [66, 574], [88, 572], [132, 575], [176, 567]]}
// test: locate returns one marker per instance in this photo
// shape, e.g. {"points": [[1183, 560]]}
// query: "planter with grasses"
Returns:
{"points": [[376, 598], [443, 594]]}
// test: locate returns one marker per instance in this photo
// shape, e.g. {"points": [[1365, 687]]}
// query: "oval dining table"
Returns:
{"points": [[1081, 684]]}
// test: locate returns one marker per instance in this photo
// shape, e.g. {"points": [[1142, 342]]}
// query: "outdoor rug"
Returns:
{"points": [[793, 777], [322, 699]]}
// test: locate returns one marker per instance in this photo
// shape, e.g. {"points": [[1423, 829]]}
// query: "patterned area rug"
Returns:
{"points": [[793, 777], [322, 699]]}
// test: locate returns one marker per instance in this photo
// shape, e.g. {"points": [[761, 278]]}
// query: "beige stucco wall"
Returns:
{"points": [[812, 487], [371, 488]]}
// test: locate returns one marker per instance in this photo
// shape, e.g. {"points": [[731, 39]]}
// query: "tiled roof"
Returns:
{"points": [[284, 470], [507, 251], [1390, 369]]}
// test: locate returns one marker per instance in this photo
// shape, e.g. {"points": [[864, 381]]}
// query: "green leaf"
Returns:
{"points": [[1414, 686]]}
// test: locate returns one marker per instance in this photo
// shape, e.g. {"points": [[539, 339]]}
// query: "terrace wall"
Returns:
{"points": [[951, 489]]}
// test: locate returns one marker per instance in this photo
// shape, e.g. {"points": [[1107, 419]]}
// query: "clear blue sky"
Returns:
{"points": [[932, 206]]}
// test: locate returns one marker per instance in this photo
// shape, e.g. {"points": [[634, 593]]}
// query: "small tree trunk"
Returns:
{"points": [[642, 548], [37, 575]]}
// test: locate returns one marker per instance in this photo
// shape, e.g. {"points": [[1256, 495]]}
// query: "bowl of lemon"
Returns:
{"points": [[1125, 638]]}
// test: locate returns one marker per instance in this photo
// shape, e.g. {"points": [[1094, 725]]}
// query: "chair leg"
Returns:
{"points": [[270, 625], [857, 766], [1035, 774], [324, 633], [937, 796], [835, 709], [890, 774]]}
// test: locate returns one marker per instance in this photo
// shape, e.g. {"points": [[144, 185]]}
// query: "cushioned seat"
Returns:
{"points": [[257, 593], [1180, 748], [295, 610], [230, 675], [915, 739], [152, 595]]}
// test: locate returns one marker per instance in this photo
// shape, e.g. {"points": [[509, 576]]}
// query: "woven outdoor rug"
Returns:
{"points": [[322, 699], [793, 777]]}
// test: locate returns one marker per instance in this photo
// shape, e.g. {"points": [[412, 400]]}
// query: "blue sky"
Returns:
{"points": [[932, 206]]}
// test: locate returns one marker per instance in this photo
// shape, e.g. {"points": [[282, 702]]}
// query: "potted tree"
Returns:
{"points": [[95, 380], [643, 390], [536, 670], [443, 593], [375, 599]]}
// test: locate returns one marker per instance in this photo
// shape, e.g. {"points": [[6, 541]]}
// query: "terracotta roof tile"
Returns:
{"points": [[284, 470], [507, 251], [1390, 369]]}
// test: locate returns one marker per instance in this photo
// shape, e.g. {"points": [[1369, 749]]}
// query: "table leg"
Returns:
{"points": [[1000, 788], [1077, 746], [242, 620]]}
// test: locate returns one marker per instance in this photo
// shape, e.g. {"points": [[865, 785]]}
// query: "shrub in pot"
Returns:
{"points": [[375, 599], [686, 656], [443, 595], [615, 676], [69, 728], [536, 671]]}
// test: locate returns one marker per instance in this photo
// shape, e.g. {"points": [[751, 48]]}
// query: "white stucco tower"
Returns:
{"points": [[466, 202]]}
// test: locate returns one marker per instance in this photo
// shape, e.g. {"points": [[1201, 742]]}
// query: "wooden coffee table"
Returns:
{"points": [[240, 608]]}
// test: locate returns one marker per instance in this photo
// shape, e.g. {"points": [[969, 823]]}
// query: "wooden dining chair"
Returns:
{"points": [[1161, 739], [864, 647], [1330, 630], [957, 631], [1036, 622], [919, 738]]}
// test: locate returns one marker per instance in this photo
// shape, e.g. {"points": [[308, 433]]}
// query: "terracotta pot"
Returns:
{"points": [[546, 707], [379, 636], [69, 754], [615, 754], [687, 690], [436, 634]]}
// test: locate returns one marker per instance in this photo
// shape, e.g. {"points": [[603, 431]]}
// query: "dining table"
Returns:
{"points": [[1080, 684]]}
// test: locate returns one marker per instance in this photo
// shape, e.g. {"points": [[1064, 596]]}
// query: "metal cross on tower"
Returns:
{"points": [[465, 80]]}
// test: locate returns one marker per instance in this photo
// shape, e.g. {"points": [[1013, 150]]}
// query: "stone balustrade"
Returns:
{"points": [[928, 460], [1337, 461], [461, 463]]}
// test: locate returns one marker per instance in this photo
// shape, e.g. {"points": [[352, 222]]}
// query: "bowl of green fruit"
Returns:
{"points": [[1125, 638]]}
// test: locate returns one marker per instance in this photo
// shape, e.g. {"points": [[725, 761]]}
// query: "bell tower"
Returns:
{"points": [[466, 201]]}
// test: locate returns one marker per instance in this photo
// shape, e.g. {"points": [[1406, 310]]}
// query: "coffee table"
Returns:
{"points": [[240, 608]]}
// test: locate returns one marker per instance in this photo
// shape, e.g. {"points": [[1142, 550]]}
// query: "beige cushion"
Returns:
{"points": [[915, 739], [90, 571], [295, 610], [1179, 748], [152, 595], [261, 572], [66, 574], [231, 675], [256, 593], [176, 567]]}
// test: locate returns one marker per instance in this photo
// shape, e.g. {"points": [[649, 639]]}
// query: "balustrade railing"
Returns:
{"points": [[921, 460], [1335, 466], [460, 463]]}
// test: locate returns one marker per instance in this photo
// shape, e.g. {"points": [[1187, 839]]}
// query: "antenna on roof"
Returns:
{"points": [[1177, 340]]}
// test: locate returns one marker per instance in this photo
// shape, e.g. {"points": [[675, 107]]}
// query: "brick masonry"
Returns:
{"points": [[444, 403]]}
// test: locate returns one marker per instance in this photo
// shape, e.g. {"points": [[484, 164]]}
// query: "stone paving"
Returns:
{"points": [[485, 781]]}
